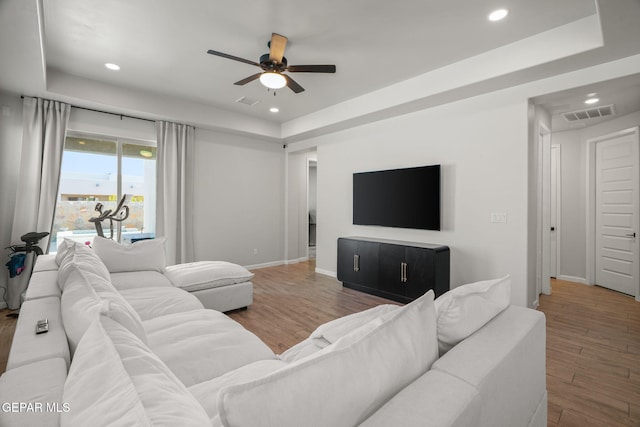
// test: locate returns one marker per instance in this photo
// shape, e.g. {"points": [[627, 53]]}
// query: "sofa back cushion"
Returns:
{"points": [[85, 296], [142, 255], [116, 380], [342, 384], [63, 249], [84, 257], [463, 310]]}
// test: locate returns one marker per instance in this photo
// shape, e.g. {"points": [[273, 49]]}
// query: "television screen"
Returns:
{"points": [[404, 198]]}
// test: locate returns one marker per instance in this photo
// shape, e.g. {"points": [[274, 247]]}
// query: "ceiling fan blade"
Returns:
{"points": [[276, 47], [293, 85], [312, 68], [235, 58], [248, 79]]}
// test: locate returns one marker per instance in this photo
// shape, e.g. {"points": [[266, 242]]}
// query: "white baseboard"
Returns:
{"points": [[264, 265], [276, 263], [326, 272], [295, 261], [573, 279]]}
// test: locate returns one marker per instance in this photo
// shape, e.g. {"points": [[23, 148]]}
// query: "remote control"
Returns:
{"points": [[42, 326]]}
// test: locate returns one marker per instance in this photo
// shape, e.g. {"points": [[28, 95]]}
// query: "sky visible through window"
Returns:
{"points": [[100, 163]]}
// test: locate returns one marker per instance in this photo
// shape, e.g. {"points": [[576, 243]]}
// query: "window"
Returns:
{"points": [[102, 170]]}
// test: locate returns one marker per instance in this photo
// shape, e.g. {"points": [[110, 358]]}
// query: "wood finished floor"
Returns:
{"points": [[593, 338], [593, 356]]}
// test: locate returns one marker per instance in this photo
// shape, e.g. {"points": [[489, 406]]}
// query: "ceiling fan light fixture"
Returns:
{"points": [[273, 80]]}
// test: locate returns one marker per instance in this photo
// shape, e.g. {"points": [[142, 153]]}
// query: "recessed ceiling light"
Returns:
{"points": [[114, 67], [498, 14], [591, 101], [274, 109]]}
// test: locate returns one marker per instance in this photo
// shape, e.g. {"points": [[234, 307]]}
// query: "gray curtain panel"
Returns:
{"points": [[44, 128], [174, 181]]}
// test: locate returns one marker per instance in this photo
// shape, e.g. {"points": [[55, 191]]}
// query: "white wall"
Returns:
{"points": [[481, 144], [239, 199], [574, 146]]}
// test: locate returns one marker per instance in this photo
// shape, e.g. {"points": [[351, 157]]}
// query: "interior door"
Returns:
{"points": [[616, 215]]}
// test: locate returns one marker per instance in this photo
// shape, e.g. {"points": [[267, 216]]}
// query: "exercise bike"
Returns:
{"points": [[18, 255], [120, 214]]}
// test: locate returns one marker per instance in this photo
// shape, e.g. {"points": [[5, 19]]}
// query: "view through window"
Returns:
{"points": [[101, 170]]}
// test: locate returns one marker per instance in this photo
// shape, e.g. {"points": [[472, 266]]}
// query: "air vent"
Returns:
{"points": [[247, 101], [589, 113]]}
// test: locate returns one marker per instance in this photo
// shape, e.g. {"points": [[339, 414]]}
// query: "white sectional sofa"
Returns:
{"points": [[113, 357]]}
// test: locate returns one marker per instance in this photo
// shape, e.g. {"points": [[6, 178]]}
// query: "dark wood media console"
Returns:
{"points": [[397, 270]]}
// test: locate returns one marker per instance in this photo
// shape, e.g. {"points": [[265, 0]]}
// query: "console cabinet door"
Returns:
{"points": [[392, 258], [405, 271], [418, 272], [358, 262], [347, 249]]}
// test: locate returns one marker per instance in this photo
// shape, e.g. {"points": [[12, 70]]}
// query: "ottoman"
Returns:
{"points": [[219, 285]]}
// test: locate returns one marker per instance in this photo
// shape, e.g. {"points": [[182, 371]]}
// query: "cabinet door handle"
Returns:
{"points": [[403, 272], [356, 262]]}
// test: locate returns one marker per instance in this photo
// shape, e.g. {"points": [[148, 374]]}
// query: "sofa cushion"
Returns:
{"points": [[139, 279], [195, 276], [435, 399], [463, 310], [154, 302], [203, 344], [344, 383], [63, 249], [27, 346], [505, 361], [85, 296], [141, 255], [42, 284], [80, 256], [45, 262], [116, 380], [39, 384]]}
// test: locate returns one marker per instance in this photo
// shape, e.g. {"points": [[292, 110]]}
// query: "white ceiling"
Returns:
{"points": [[57, 48]]}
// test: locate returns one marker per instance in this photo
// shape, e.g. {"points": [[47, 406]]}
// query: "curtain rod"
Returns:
{"points": [[100, 111]]}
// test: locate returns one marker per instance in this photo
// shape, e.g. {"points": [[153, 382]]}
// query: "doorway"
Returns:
{"points": [[312, 185], [555, 212], [614, 219]]}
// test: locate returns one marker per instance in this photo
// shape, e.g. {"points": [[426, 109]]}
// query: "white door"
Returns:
{"points": [[616, 213], [554, 240]]}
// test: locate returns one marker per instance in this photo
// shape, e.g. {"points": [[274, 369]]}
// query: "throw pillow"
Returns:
{"points": [[342, 384], [142, 255], [116, 380], [465, 309]]}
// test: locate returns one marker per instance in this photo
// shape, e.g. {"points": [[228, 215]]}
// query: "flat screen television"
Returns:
{"points": [[404, 198]]}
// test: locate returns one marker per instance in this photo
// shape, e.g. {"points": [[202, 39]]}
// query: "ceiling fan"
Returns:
{"points": [[274, 64]]}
